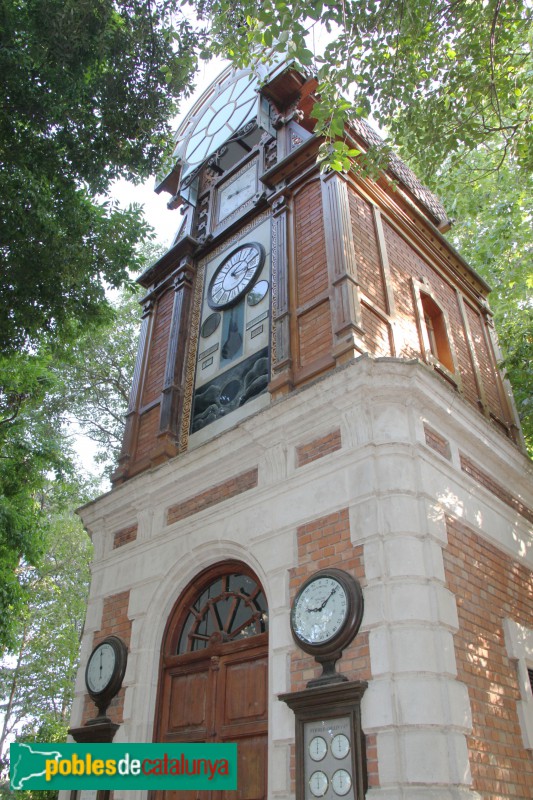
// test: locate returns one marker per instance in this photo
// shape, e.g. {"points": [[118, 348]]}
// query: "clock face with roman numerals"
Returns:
{"points": [[236, 275]]}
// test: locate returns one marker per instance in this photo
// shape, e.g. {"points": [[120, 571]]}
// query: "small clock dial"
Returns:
{"points": [[210, 325], [341, 782], [235, 275], [340, 745], [256, 294], [318, 748], [100, 668], [318, 783], [320, 610], [237, 192]]}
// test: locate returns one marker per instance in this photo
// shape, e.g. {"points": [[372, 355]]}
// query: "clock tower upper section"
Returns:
{"points": [[280, 273]]}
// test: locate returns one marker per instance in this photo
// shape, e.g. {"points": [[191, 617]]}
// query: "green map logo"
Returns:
{"points": [[122, 766]]}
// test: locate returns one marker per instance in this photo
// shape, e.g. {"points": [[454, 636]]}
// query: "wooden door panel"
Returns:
{"points": [[252, 755], [245, 691], [187, 708]]}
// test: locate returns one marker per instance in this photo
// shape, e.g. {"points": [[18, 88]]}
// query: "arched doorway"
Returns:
{"points": [[213, 682]]}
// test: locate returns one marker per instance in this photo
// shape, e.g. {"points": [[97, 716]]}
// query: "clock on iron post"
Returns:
{"points": [[325, 616], [330, 745], [105, 672]]}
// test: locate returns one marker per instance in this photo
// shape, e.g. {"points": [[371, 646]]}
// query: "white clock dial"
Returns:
{"points": [[318, 783], [318, 748], [320, 611], [235, 275], [101, 667], [341, 782], [340, 745], [234, 194]]}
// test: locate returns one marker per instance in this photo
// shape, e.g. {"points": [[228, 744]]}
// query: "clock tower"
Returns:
{"points": [[318, 541]]}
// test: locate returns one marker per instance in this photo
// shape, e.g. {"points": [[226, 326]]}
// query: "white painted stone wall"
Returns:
{"points": [[398, 491]]}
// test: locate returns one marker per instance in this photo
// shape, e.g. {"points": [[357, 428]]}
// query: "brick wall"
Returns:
{"points": [[310, 244], [369, 274], [476, 324], [489, 587], [318, 448], [158, 349], [315, 336], [213, 495], [326, 542], [124, 536], [114, 621], [314, 329], [437, 442], [148, 430], [377, 332]]}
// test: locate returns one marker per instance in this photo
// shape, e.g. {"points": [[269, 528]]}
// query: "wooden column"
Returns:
{"points": [[173, 386], [342, 267], [132, 415], [281, 370]]}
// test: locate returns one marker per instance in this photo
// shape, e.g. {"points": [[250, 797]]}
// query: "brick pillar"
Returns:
{"points": [[173, 387], [132, 416]]}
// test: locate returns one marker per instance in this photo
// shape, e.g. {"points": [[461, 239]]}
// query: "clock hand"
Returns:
{"points": [[238, 270], [326, 601], [314, 610]]}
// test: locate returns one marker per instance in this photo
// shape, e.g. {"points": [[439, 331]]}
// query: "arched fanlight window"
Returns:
{"points": [[231, 607]]}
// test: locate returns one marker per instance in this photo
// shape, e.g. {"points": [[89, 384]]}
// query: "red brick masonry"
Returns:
{"points": [[485, 480], [124, 536], [216, 494], [318, 448], [489, 587], [114, 621]]}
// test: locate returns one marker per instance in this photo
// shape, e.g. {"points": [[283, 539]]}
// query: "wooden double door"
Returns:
{"points": [[218, 694]]}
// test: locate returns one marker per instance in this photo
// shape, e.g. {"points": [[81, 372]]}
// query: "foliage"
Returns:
{"points": [[31, 448], [36, 685], [465, 66], [95, 375], [494, 219], [89, 87]]}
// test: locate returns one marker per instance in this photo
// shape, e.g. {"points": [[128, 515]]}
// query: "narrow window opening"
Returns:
{"points": [[437, 334]]}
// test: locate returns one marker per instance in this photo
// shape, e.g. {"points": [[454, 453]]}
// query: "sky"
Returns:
{"points": [[165, 222]]}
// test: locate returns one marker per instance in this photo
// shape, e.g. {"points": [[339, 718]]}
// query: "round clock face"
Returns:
{"points": [[341, 782], [318, 783], [320, 610], [327, 613], [317, 748], [340, 745], [101, 668], [235, 275]]}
